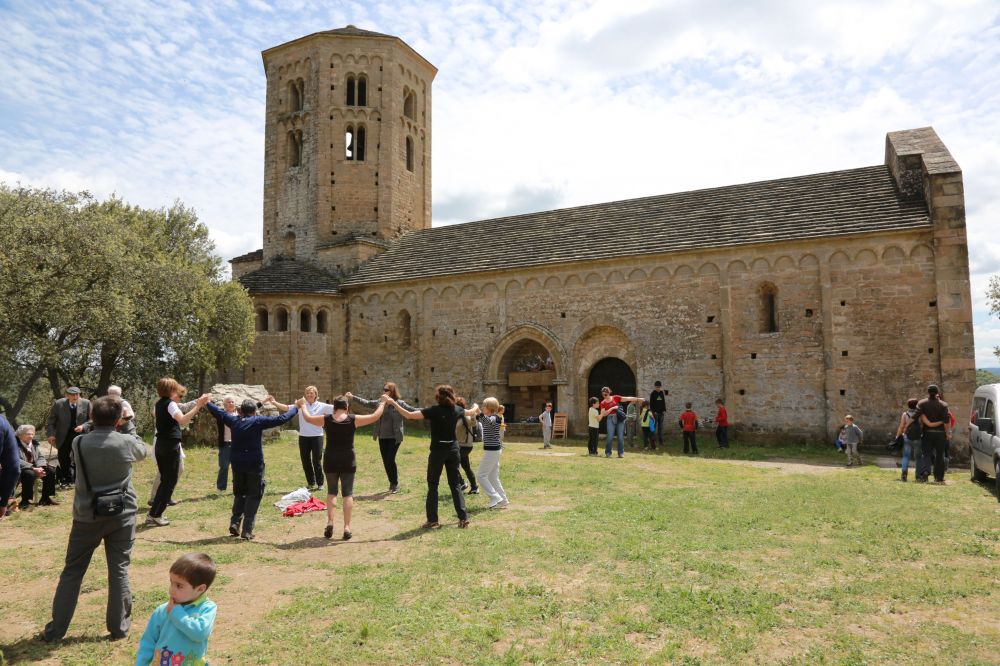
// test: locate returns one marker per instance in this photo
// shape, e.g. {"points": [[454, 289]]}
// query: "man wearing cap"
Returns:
{"points": [[658, 407], [247, 459], [934, 417], [66, 421]]}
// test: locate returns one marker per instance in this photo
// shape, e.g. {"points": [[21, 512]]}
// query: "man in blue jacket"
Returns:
{"points": [[247, 459], [10, 464]]}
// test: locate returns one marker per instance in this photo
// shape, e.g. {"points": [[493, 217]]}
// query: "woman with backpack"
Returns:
{"points": [[467, 434], [910, 429]]}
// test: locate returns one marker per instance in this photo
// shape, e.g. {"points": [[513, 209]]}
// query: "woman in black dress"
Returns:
{"points": [[444, 452], [339, 464]]}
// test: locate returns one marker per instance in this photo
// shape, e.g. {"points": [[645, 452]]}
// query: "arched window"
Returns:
{"points": [[410, 105], [296, 97], [350, 90], [305, 321], [362, 91], [359, 143], [294, 148], [260, 321], [349, 144], [405, 323], [768, 308], [281, 319], [409, 153], [321, 321]]}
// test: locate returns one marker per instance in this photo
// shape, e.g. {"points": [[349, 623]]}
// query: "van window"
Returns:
{"points": [[978, 408], [990, 412]]}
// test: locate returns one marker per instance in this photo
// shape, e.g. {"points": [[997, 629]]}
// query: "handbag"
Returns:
{"points": [[107, 503]]}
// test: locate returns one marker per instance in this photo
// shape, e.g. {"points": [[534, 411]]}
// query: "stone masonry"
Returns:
{"points": [[797, 301]]}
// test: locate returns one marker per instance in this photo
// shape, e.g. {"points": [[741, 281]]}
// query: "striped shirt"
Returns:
{"points": [[491, 432]]}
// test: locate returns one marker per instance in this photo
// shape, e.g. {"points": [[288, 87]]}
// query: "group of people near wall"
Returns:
{"points": [[651, 417]]}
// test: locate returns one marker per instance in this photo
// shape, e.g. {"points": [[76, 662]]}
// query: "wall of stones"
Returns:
{"points": [[693, 321]]}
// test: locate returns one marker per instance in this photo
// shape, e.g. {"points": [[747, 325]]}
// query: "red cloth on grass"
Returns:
{"points": [[311, 504]]}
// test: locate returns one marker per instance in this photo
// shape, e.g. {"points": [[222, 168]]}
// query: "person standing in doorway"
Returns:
{"points": [[593, 426], [546, 418], [615, 418], [658, 408]]}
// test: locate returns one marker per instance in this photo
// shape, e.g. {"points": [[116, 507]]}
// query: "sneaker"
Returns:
{"points": [[607, 455], [474, 491], [319, 489], [173, 502], [394, 489], [248, 536], [23, 504], [430, 525], [462, 524], [495, 505], [234, 529], [158, 522], [621, 455], [328, 532], [503, 504]]}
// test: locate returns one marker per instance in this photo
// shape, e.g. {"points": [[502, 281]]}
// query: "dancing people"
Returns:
{"points": [[489, 466], [339, 461], [388, 431], [444, 452], [311, 437], [466, 434], [225, 442], [169, 421]]}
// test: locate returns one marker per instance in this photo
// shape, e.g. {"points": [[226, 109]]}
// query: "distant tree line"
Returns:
{"points": [[100, 292]]}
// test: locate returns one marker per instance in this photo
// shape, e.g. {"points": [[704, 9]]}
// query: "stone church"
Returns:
{"points": [[796, 300]]}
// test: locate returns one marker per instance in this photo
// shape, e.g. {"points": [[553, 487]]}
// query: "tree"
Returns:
{"points": [[993, 299], [98, 291], [986, 377]]}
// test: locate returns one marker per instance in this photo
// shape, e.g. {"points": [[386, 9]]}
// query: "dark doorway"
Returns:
{"points": [[612, 372]]}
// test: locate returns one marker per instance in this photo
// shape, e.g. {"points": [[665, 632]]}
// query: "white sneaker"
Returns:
{"points": [[502, 504], [159, 522]]}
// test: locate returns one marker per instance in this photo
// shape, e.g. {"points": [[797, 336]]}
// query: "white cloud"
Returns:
{"points": [[547, 104]]}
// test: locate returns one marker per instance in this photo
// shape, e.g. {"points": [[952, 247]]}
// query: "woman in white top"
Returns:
{"points": [[310, 436]]}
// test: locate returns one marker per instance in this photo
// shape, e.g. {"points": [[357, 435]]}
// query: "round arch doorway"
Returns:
{"points": [[612, 372]]}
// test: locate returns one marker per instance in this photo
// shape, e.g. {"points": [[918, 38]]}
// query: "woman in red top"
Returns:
{"points": [[615, 420], [722, 425]]}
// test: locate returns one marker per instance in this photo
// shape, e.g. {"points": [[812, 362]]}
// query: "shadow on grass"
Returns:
{"points": [[374, 497], [31, 649], [991, 486], [308, 542], [207, 541]]}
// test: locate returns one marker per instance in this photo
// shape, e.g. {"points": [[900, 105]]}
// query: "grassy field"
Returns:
{"points": [[658, 558]]}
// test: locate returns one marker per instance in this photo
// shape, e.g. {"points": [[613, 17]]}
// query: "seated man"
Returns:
{"points": [[34, 466]]}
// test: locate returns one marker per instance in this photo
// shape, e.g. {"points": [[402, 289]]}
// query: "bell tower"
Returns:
{"points": [[347, 146]]}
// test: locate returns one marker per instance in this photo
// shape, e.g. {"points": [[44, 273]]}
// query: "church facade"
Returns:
{"points": [[796, 300]]}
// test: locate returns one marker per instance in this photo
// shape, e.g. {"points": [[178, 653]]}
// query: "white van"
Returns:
{"points": [[985, 443]]}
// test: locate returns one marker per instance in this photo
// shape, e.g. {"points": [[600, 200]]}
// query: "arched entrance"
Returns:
{"points": [[612, 372], [530, 373]]}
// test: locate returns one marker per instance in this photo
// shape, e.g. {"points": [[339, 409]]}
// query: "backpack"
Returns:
{"points": [[914, 430]]}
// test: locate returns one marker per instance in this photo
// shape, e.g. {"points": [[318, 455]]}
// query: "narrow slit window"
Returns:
{"points": [[362, 91], [359, 144], [409, 153], [350, 91]]}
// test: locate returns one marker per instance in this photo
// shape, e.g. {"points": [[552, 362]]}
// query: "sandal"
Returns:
{"points": [[430, 525], [347, 535], [462, 524]]}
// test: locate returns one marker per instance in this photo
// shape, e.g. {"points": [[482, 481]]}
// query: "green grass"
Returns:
{"points": [[658, 558]]}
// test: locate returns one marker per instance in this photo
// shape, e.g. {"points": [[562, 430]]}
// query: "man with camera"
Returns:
{"points": [[103, 510]]}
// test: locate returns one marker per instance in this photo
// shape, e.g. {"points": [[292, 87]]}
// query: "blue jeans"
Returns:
{"points": [[907, 452], [224, 452], [615, 428]]}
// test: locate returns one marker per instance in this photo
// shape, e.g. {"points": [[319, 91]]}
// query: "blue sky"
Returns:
{"points": [[537, 105]]}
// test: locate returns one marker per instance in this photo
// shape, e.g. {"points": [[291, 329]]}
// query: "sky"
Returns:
{"points": [[537, 105]]}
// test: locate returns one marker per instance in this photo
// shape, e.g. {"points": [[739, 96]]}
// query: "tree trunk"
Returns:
{"points": [[109, 363], [22, 395], [53, 374]]}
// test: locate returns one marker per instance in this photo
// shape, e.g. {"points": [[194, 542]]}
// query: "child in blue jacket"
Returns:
{"points": [[177, 632]]}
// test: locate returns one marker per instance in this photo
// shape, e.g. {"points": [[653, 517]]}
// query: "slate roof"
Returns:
{"points": [[256, 255], [837, 203], [289, 276]]}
